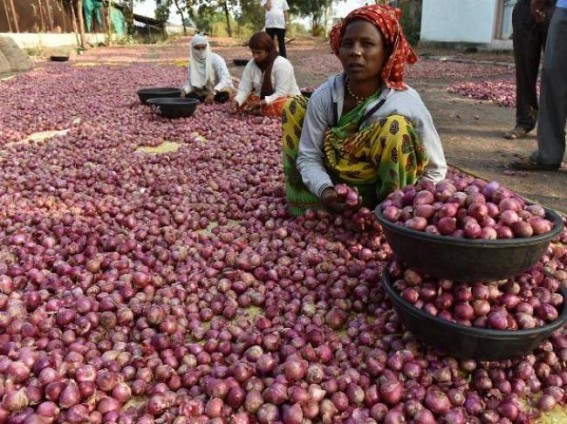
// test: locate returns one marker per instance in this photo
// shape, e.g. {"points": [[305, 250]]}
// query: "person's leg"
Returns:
{"points": [[271, 32], [281, 41], [527, 54], [553, 101], [298, 196]]}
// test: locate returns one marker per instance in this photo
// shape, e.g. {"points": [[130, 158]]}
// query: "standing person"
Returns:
{"points": [[277, 19], [209, 79], [364, 127], [529, 35], [267, 80], [552, 116]]}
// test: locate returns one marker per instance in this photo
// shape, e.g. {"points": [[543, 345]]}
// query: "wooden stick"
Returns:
{"points": [[14, 15]]}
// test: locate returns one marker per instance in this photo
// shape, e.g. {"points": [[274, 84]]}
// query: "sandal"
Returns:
{"points": [[528, 164], [516, 132]]}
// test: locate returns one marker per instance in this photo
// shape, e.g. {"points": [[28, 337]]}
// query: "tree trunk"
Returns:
{"points": [[14, 15], [7, 16], [81, 24], [109, 22], [176, 2], [227, 14]]}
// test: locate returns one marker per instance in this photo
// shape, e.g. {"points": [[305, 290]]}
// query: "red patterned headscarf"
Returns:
{"points": [[387, 20]]}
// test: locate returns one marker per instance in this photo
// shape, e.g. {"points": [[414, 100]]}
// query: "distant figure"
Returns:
{"points": [[267, 81], [209, 79], [529, 41], [553, 98], [277, 19]]}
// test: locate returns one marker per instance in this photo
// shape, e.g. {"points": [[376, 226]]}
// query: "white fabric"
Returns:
{"points": [[320, 117], [207, 70], [283, 81], [275, 17]]}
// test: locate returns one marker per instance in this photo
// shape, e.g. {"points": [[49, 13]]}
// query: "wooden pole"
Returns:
{"points": [[7, 16], [109, 22], [83, 42], [14, 15]]}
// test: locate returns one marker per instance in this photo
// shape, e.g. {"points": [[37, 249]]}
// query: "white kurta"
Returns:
{"points": [[222, 78], [283, 81]]}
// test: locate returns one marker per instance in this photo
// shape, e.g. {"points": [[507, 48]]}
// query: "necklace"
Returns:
{"points": [[356, 98]]}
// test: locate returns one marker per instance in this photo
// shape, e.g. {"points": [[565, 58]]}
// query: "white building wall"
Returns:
{"points": [[467, 21]]}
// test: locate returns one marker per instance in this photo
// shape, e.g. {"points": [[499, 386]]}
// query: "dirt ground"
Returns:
{"points": [[471, 130]]}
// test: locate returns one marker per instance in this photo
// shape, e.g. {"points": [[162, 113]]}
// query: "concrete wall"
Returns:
{"points": [[459, 21], [48, 40]]}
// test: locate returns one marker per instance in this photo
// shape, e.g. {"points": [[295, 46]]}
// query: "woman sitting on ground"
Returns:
{"points": [[267, 80], [209, 79], [364, 127]]}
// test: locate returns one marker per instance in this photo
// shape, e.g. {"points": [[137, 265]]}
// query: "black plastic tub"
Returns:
{"points": [[59, 58], [470, 342], [144, 94], [240, 62], [306, 93], [173, 108], [467, 260]]}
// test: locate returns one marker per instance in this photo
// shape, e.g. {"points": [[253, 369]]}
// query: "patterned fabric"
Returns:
{"points": [[377, 159], [298, 196], [273, 110], [387, 20]]}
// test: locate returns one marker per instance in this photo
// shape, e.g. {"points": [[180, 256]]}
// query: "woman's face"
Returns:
{"points": [[259, 55], [200, 47], [362, 52]]}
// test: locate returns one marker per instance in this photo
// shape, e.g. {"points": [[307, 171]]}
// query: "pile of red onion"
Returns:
{"points": [[474, 210], [176, 288], [528, 300]]}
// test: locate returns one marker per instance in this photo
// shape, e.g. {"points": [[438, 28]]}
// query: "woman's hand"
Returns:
{"points": [[330, 199], [255, 108], [341, 197], [183, 94], [234, 106], [210, 99], [538, 10]]}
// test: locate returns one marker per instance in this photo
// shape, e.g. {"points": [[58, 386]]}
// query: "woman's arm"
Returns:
{"points": [[283, 79], [223, 79], [188, 87], [311, 156], [245, 87], [436, 168]]}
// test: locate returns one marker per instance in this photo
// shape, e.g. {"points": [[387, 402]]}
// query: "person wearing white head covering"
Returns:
{"points": [[209, 79]]}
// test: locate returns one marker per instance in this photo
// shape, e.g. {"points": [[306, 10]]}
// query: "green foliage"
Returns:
{"points": [[411, 21]]}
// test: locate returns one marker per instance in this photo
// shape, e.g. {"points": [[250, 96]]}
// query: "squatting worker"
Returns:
{"points": [[267, 81], [209, 79], [364, 127]]}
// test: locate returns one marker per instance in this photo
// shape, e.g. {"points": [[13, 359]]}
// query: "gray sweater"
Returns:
{"points": [[320, 117]]}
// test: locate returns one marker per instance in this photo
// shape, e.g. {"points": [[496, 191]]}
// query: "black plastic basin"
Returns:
{"points": [[173, 108], [467, 260], [240, 62], [144, 94], [469, 342]]}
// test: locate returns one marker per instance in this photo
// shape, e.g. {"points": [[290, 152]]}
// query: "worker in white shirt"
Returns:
{"points": [[277, 19]]}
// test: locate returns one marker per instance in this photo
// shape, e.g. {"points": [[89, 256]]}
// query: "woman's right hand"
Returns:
{"points": [[331, 200], [183, 94], [234, 107]]}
